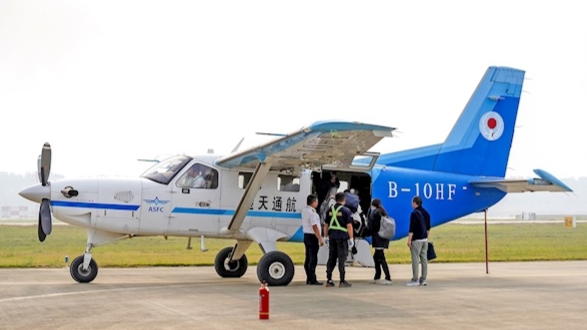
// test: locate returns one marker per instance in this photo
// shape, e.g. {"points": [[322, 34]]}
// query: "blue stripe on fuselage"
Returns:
{"points": [[183, 210], [263, 214], [101, 206]]}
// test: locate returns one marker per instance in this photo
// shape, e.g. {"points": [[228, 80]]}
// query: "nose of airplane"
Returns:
{"points": [[36, 193]]}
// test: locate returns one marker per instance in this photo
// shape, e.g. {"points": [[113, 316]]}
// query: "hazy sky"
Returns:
{"points": [[107, 82]]}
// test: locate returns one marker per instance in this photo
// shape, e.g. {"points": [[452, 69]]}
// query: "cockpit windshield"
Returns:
{"points": [[166, 170]]}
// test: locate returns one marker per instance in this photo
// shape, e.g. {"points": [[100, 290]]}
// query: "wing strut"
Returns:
{"points": [[252, 189]]}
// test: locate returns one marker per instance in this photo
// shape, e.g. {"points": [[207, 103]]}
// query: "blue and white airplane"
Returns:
{"points": [[256, 195]]}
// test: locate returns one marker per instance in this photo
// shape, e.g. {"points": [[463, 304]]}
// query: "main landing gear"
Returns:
{"points": [[275, 268], [227, 268]]}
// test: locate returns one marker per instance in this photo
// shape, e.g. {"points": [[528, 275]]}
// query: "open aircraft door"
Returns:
{"points": [[356, 175]]}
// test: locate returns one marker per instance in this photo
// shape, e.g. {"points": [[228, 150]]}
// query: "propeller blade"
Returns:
{"points": [[42, 235], [45, 164], [39, 168], [45, 214]]}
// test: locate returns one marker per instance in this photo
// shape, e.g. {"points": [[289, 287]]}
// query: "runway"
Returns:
{"points": [[533, 295]]}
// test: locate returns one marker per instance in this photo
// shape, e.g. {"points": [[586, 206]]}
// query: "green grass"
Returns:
{"points": [[19, 247]]}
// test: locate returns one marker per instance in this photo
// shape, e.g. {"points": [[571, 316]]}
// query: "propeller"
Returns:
{"points": [[44, 167]]}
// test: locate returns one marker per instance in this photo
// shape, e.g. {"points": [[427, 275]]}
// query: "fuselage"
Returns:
{"points": [[150, 205]]}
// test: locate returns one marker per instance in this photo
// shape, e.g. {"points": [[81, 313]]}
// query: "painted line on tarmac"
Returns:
{"points": [[63, 294]]}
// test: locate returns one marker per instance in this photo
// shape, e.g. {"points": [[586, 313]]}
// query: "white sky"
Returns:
{"points": [[107, 82]]}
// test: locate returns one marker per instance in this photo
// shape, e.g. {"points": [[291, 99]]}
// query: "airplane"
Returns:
{"points": [[256, 195]]}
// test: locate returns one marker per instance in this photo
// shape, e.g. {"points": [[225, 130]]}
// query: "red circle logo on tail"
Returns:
{"points": [[491, 126]]}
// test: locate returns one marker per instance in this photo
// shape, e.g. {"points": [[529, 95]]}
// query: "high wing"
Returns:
{"points": [[322, 143], [325, 143], [545, 182]]}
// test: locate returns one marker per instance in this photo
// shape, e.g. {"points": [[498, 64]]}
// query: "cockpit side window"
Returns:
{"points": [[166, 170], [199, 176]]}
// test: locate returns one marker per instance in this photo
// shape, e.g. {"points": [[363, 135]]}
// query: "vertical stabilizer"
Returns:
{"points": [[480, 141]]}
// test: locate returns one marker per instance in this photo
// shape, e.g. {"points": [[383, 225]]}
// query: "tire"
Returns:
{"points": [[236, 268], [77, 272], [276, 269]]}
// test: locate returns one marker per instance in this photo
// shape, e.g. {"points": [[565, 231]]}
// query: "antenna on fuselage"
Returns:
{"points": [[154, 160]]}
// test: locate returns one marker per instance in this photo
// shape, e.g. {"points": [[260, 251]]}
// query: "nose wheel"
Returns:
{"points": [[80, 274]]}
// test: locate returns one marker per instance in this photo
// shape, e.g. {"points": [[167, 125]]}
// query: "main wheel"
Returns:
{"points": [[78, 273], [276, 269], [235, 268]]}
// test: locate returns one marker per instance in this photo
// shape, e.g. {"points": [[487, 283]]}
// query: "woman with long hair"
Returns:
{"points": [[379, 244]]}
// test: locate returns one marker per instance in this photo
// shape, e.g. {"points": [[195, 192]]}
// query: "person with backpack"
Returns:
{"points": [[379, 244], [418, 241]]}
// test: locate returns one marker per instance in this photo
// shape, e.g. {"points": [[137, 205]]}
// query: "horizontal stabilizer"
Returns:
{"points": [[545, 182]]}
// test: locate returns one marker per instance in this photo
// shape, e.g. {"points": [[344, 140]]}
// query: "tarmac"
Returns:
{"points": [[529, 295]]}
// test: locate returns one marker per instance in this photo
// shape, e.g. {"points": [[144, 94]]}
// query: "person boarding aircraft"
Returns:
{"points": [[244, 198]]}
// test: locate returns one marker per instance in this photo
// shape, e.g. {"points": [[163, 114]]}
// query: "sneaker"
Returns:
{"points": [[344, 284], [329, 283], [423, 283], [375, 282], [315, 283], [385, 282], [413, 283]]}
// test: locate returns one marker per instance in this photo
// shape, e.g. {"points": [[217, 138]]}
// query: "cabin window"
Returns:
{"points": [[362, 161], [243, 179], [288, 183], [199, 176]]}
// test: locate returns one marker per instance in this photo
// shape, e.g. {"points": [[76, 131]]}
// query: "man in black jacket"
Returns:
{"points": [[418, 241], [338, 229]]}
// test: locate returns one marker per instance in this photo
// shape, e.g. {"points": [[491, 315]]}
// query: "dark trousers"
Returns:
{"points": [[380, 263], [338, 250], [312, 246]]}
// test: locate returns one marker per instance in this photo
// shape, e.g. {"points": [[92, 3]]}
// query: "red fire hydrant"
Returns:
{"points": [[264, 302]]}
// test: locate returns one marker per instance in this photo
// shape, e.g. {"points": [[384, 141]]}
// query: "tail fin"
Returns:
{"points": [[480, 141]]}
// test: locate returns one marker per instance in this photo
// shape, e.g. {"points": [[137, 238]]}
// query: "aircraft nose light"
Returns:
{"points": [[36, 193]]}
